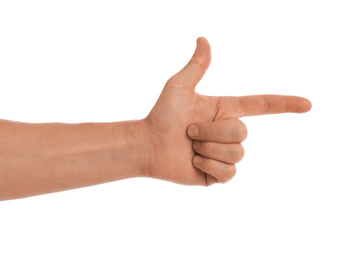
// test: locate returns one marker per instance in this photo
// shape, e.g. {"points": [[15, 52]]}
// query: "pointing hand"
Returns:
{"points": [[196, 139]]}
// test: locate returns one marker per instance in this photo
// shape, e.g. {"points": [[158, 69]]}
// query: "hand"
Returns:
{"points": [[181, 116]]}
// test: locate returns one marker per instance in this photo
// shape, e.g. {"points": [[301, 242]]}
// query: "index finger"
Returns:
{"points": [[270, 104]]}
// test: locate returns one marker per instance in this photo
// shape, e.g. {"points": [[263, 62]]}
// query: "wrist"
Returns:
{"points": [[130, 149]]}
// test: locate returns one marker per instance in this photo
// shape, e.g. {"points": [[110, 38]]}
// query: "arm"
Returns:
{"points": [[187, 138], [50, 157]]}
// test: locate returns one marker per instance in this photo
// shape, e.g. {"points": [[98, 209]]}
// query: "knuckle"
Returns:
{"points": [[230, 171], [240, 131], [176, 81], [198, 60], [266, 106], [222, 181], [236, 133], [245, 131], [238, 153]]}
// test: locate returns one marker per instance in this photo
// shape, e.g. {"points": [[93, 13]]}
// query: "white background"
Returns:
{"points": [[80, 61]]}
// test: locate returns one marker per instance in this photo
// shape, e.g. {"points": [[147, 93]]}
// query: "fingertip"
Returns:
{"points": [[297, 104], [195, 69], [201, 39], [304, 105], [308, 105], [202, 53]]}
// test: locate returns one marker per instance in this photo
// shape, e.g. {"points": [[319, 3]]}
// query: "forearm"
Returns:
{"points": [[43, 158]]}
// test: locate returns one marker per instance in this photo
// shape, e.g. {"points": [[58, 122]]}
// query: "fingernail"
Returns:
{"points": [[196, 144], [193, 130], [197, 159]]}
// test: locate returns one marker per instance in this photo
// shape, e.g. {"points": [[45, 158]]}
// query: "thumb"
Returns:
{"points": [[194, 71]]}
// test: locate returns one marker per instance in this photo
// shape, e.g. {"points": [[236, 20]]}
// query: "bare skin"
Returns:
{"points": [[187, 138]]}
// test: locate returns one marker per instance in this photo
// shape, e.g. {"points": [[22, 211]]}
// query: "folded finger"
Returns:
{"points": [[227, 153], [223, 172], [224, 131]]}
